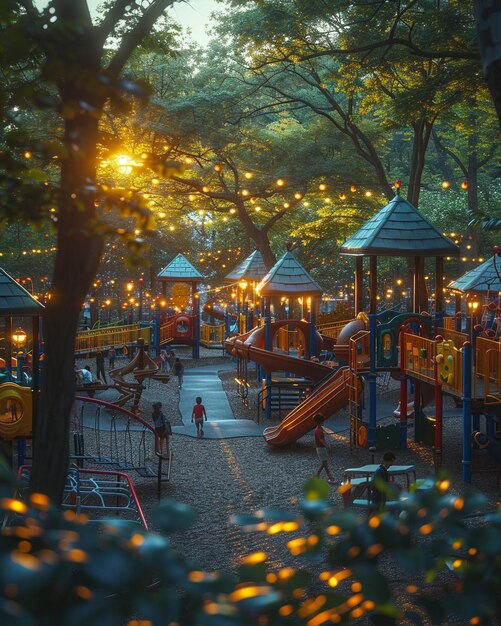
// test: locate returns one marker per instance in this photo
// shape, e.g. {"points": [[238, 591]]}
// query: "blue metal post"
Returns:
{"points": [[156, 328], [267, 346], [467, 406], [19, 368], [372, 382], [197, 322]]}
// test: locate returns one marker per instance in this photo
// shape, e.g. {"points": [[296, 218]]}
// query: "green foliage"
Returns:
{"points": [[59, 569]]}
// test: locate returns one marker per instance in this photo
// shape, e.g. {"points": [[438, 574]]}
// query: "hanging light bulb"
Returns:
{"points": [[445, 184], [464, 184]]}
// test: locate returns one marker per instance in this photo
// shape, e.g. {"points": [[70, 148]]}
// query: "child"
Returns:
{"points": [[162, 426], [178, 370], [322, 447], [198, 414]]}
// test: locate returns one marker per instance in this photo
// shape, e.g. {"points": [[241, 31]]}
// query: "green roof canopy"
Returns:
{"points": [[399, 230], [252, 268], [485, 277], [288, 278], [179, 269], [15, 300]]}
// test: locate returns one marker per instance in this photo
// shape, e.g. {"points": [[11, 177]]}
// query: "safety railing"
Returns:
{"points": [[167, 332], [88, 341], [449, 323], [212, 335], [282, 397], [453, 335], [359, 351], [488, 368], [419, 358], [332, 329], [106, 434], [97, 493]]}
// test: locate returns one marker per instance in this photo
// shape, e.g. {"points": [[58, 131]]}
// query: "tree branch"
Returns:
{"points": [[134, 38]]}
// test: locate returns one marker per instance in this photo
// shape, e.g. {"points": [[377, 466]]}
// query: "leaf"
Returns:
{"points": [[316, 489], [172, 516]]}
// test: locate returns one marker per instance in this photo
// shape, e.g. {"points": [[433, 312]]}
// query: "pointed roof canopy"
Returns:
{"points": [[178, 270], [251, 268], [485, 277], [399, 230], [288, 278], [15, 300]]}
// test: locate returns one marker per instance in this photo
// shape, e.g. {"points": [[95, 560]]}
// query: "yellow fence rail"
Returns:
{"points": [[488, 368], [89, 341], [212, 335], [420, 354], [449, 323], [166, 332], [453, 335], [332, 329]]}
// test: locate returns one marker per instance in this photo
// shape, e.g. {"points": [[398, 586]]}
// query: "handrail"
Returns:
{"points": [[99, 339], [261, 397], [130, 414]]}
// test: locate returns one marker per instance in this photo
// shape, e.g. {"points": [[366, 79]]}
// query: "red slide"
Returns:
{"points": [[327, 398]]}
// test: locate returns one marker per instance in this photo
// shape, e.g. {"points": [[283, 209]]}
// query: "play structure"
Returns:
{"points": [[106, 434], [428, 356], [128, 380], [99, 494]]}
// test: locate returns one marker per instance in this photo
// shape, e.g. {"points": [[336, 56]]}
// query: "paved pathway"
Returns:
{"points": [[204, 382]]}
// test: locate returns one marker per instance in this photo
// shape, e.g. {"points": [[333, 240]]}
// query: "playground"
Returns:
{"points": [[241, 473], [421, 384]]}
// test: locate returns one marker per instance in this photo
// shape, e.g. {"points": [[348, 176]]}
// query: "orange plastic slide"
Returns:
{"points": [[330, 396], [251, 346]]}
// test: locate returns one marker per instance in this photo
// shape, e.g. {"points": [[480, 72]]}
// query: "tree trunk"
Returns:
{"points": [[422, 134], [258, 235], [488, 18], [79, 252]]}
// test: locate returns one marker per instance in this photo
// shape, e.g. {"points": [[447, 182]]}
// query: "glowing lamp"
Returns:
{"points": [[464, 184], [445, 184], [19, 337]]}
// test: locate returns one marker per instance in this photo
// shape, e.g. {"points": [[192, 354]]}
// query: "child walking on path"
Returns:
{"points": [[178, 370], [198, 415], [162, 426], [322, 447]]}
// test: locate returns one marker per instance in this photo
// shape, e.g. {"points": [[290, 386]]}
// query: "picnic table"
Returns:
{"points": [[357, 481]]}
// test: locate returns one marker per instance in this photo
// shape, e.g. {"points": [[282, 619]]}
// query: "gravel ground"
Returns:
{"points": [[221, 478]]}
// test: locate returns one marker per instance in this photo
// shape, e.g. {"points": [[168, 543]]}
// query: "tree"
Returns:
{"points": [[59, 60], [487, 15]]}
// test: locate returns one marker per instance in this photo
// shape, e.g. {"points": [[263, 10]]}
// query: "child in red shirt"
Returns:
{"points": [[198, 415]]}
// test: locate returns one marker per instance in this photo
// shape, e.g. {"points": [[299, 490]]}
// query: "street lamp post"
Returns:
{"points": [[473, 306]]}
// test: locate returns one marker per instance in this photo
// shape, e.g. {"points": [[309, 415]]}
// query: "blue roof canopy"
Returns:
{"points": [[398, 229]]}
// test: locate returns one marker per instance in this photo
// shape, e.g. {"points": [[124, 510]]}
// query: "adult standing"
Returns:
{"points": [[100, 374], [178, 370], [322, 448]]}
